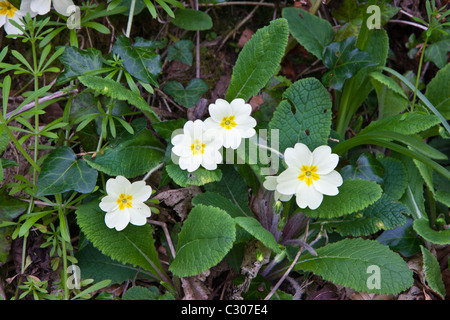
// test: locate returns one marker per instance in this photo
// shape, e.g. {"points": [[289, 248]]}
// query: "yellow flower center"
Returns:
{"points": [[124, 201], [228, 122], [7, 8], [197, 147], [308, 175]]}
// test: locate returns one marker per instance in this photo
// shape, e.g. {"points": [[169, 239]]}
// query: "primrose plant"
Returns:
{"points": [[290, 188]]}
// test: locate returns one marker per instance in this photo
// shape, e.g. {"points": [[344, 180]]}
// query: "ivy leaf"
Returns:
{"points": [[205, 238], [181, 51], [189, 96], [130, 157], [384, 214], [344, 60], [62, 172], [366, 167], [199, 177], [193, 20], [312, 32], [259, 60], [252, 226], [353, 196], [347, 263], [78, 62], [133, 245], [423, 229], [304, 115], [433, 272], [139, 59]]}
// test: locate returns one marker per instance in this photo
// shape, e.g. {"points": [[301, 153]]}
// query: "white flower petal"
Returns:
{"points": [[270, 183], [240, 108], [2, 20], [190, 163], [328, 183], [118, 219], [10, 28], [62, 5], [139, 214], [41, 7], [287, 181], [25, 7], [116, 186], [220, 109], [298, 156], [324, 159], [308, 197], [140, 191], [109, 203]]}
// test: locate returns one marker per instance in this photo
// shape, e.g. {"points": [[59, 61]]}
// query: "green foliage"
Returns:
{"points": [[190, 19], [252, 226], [189, 96], [206, 237], [78, 62], [347, 263], [62, 172], [304, 115], [438, 91], [433, 272], [312, 32], [199, 177], [422, 227], [133, 245], [258, 61], [181, 51]]}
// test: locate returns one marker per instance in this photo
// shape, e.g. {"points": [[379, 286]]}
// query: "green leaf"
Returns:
{"points": [[141, 293], [367, 167], [205, 238], [166, 128], [62, 172], [189, 96], [349, 262], [344, 60], [129, 157], [304, 115], [258, 61], [395, 177], [353, 196], [95, 265], [402, 239], [433, 272], [438, 91], [77, 62], [438, 53], [233, 187], [384, 214], [181, 51], [199, 177], [422, 227], [112, 89], [217, 200], [193, 20], [312, 32], [133, 245], [407, 123], [252, 226], [139, 59]]}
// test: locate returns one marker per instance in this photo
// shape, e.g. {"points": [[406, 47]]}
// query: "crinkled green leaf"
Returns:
{"points": [[181, 51], [304, 115], [312, 32], [130, 157], [189, 96], [384, 214], [78, 62], [367, 167], [395, 177], [437, 52], [433, 272], [348, 263], [438, 91], [422, 227], [205, 238], [252, 226], [62, 172], [353, 196], [133, 245], [190, 19], [139, 59], [217, 200], [258, 61], [141, 293], [199, 177]]}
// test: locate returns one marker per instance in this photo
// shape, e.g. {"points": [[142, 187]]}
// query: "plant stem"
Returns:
{"points": [[418, 74]]}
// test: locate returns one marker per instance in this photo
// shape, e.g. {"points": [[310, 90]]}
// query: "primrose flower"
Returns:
{"points": [[271, 184], [309, 175], [196, 146], [125, 203], [231, 121], [7, 13], [42, 7]]}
